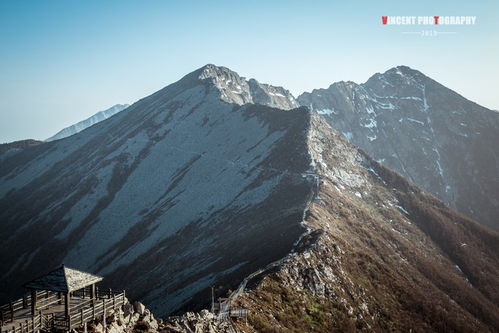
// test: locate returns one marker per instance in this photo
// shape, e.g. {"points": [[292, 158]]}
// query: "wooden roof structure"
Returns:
{"points": [[63, 279]]}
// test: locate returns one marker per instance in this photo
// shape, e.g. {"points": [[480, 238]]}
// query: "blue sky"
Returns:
{"points": [[62, 61]]}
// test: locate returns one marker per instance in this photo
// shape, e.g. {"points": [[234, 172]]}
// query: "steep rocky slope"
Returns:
{"points": [[382, 256], [444, 143], [186, 175]]}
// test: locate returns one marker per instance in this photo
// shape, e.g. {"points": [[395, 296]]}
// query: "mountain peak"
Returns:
{"points": [[213, 71], [403, 70], [234, 88], [399, 76], [346, 84], [400, 73]]}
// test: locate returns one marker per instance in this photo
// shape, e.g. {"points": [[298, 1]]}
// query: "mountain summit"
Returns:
{"points": [[236, 89], [433, 136]]}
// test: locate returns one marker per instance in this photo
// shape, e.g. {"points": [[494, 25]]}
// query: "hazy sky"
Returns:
{"points": [[62, 61]]}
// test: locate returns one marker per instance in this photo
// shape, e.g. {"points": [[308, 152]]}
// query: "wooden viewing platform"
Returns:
{"points": [[68, 299]]}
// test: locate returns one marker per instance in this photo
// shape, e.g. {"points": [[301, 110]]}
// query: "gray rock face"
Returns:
{"points": [[236, 89], [125, 320], [187, 188], [441, 141], [139, 308], [202, 322]]}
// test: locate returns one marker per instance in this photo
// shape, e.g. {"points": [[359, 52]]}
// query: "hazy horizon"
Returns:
{"points": [[63, 62]]}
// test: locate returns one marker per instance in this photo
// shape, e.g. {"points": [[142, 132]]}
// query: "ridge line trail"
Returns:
{"points": [[308, 230]]}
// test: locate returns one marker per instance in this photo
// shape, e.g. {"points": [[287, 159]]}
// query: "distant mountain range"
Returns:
{"points": [[80, 126], [216, 180]]}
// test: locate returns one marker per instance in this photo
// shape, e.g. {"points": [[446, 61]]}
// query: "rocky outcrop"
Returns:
{"points": [[129, 318], [200, 322], [236, 89], [137, 318]]}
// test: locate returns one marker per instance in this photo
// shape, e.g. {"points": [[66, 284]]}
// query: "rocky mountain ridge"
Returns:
{"points": [[428, 133]]}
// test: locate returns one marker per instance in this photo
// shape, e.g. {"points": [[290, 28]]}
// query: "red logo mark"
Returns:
{"points": [[384, 19], [436, 19]]}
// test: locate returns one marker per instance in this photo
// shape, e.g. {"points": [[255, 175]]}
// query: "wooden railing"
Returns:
{"points": [[44, 298], [29, 325], [97, 308], [48, 299], [79, 314]]}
